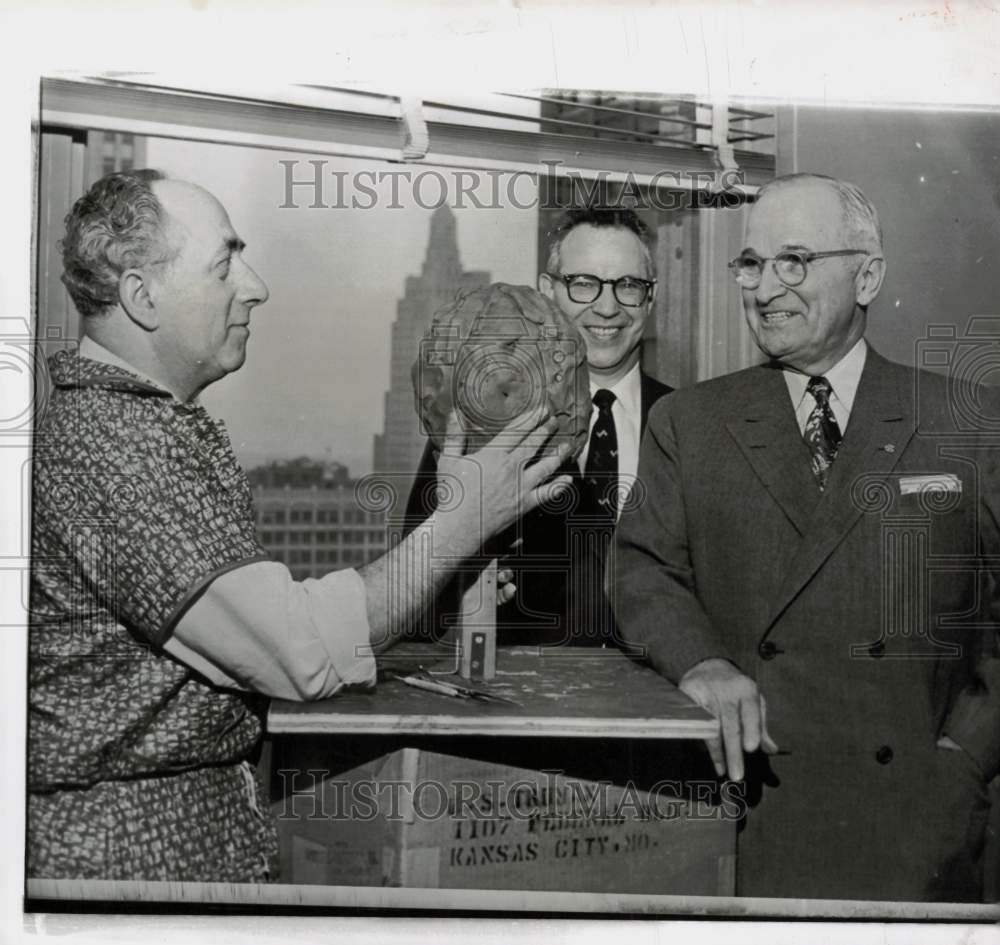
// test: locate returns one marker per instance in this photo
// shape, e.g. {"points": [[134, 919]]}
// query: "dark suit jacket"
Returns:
{"points": [[558, 567], [866, 614]]}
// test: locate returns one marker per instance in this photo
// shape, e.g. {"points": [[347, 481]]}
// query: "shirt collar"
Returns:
{"points": [[844, 377], [95, 351], [627, 390]]}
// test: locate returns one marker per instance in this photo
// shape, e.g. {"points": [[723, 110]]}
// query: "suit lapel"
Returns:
{"points": [[646, 399], [881, 425], [650, 391], [768, 436]]}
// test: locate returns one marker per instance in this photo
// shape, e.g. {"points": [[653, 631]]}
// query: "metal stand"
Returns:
{"points": [[478, 627]]}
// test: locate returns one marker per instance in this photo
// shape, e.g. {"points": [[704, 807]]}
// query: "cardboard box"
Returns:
{"points": [[422, 819]]}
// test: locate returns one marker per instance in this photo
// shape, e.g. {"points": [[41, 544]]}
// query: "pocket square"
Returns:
{"points": [[936, 482]]}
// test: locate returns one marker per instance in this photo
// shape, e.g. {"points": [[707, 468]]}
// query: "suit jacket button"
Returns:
{"points": [[877, 650], [768, 650], [884, 755]]}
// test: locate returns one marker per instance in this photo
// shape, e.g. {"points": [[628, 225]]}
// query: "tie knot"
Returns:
{"points": [[603, 400], [820, 388]]}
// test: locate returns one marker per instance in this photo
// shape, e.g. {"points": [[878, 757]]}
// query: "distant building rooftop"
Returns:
{"points": [[301, 473]]}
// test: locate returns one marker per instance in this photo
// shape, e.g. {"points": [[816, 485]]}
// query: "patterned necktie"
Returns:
{"points": [[601, 472], [822, 433]]}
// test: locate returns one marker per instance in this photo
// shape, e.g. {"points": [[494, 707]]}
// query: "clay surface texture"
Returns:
{"points": [[494, 354]]}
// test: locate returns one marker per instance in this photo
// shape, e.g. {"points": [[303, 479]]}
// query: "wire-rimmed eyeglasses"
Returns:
{"points": [[790, 266]]}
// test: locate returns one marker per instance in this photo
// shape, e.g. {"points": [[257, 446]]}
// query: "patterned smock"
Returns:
{"points": [[137, 766]]}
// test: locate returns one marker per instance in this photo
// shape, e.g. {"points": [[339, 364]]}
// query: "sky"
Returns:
{"points": [[318, 357]]}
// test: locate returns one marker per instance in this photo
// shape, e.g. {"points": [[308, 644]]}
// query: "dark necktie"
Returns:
{"points": [[601, 472], [822, 433]]}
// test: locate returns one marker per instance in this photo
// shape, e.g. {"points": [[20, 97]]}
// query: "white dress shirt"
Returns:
{"points": [[256, 629], [627, 413], [844, 378]]}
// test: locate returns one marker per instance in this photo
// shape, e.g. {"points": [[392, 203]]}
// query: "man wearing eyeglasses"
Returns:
{"points": [[600, 272], [818, 534]]}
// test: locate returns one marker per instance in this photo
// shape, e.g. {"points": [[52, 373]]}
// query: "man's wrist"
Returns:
{"points": [[457, 533], [709, 663]]}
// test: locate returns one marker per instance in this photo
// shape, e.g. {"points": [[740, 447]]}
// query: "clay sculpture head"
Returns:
{"points": [[495, 353]]}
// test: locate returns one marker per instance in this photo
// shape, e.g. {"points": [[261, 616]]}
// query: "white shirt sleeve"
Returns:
{"points": [[256, 629]]}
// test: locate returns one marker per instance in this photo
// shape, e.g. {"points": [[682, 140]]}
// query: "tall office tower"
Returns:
{"points": [[397, 450]]}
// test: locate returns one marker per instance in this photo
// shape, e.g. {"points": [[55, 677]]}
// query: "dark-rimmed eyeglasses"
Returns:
{"points": [[584, 288], [790, 266]]}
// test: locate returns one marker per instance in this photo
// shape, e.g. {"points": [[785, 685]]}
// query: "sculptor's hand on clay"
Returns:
{"points": [[734, 699], [480, 495], [495, 486]]}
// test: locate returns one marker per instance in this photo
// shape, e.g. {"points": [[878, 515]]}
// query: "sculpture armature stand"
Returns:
{"points": [[478, 627]]}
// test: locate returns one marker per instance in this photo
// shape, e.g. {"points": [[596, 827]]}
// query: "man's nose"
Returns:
{"points": [[770, 285], [253, 289], [606, 304]]}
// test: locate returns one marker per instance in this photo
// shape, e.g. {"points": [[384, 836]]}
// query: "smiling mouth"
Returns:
{"points": [[775, 318], [603, 333]]}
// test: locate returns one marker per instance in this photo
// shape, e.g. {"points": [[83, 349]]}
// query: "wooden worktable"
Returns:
{"points": [[561, 691]]}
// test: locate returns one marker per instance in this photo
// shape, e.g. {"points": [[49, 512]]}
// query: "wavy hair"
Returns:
{"points": [[115, 226]]}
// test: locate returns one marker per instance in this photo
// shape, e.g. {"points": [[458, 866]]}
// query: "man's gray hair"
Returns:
{"points": [[115, 226], [860, 216]]}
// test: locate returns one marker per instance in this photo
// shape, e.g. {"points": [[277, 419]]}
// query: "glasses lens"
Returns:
{"points": [[747, 270], [791, 268], [630, 291], [583, 288]]}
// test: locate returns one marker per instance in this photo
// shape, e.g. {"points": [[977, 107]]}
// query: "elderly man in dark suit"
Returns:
{"points": [[821, 532], [600, 272]]}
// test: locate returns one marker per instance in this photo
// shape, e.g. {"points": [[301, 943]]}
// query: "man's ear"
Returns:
{"points": [[651, 301], [869, 280], [546, 286], [134, 297]]}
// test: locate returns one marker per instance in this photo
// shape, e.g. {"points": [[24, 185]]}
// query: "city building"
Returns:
{"points": [[397, 450], [309, 518]]}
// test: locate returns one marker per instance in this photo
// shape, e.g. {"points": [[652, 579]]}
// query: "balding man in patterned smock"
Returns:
{"points": [[158, 624]]}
